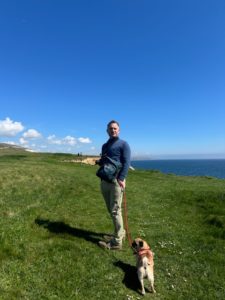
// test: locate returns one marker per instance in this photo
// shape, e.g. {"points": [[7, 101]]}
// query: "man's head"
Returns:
{"points": [[113, 129]]}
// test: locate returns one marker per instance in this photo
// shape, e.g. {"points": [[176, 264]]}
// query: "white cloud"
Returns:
{"points": [[69, 140], [23, 141], [10, 143], [53, 140], [31, 134], [9, 128], [53, 143], [84, 140], [51, 137], [60, 144]]}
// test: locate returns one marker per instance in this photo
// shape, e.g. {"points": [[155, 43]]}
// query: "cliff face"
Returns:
{"points": [[90, 160], [86, 160]]}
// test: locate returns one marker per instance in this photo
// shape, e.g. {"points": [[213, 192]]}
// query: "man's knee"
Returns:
{"points": [[116, 211]]}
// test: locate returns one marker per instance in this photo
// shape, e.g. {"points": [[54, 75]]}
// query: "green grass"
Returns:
{"points": [[52, 216]]}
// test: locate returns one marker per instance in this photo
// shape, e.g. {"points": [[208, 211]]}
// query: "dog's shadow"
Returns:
{"points": [[130, 279], [58, 227]]}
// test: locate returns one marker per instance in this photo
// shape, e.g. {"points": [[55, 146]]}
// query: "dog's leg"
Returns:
{"points": [[151, 281], [142, 286], [141, 279]]}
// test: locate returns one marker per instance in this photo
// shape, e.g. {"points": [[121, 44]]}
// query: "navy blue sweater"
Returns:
{"points": [[118, 150]]}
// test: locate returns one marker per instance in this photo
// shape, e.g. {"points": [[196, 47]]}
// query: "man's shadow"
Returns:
{"points": [[58, 227], [130, 279]]}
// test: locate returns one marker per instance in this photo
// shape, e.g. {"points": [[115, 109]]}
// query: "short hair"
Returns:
{"points": [[111, 122]]}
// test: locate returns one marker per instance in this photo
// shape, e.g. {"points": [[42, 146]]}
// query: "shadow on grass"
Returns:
{"points": [[58, 227], [130, 279]]}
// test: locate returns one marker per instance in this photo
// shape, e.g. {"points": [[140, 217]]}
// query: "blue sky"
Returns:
{"points": [[158, 67]]}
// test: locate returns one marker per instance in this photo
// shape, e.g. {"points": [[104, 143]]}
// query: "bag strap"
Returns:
{"points": [[117, 164]]}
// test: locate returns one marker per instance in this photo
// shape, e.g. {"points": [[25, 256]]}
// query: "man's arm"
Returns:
{"points": [[126, 156]]}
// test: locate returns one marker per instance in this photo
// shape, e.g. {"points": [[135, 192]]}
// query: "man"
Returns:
{"points": [[112, 192]]}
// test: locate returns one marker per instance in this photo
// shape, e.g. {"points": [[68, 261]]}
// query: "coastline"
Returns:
{"points": [[184, 167]]}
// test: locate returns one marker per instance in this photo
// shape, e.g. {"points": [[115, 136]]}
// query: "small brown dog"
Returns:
{"points": [[145, 263]]}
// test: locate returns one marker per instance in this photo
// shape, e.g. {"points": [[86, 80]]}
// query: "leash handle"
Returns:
{"points": [[126, 219]]}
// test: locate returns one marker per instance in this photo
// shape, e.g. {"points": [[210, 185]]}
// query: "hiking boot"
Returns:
{"points": [[111, 238], [109, 246]]}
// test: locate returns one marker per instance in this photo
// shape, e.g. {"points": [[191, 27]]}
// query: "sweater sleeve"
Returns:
{"points": [[125, 160]]}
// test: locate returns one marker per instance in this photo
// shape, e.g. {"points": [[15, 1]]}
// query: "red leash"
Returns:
{"points": [[126, 219]]}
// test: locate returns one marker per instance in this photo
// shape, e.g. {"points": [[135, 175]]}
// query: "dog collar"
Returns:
{"points": [[144, 251]]}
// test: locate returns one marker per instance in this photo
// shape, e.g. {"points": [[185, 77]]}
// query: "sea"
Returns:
{"points": [[184, 167]]}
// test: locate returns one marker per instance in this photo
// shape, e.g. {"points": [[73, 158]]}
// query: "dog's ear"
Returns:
{"points": [[141, 244]]}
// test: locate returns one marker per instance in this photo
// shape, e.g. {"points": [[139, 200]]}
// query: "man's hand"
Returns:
{"points": [[122, 183]]}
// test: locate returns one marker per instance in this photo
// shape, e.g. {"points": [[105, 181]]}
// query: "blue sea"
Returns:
{"points": [[186, 167]]}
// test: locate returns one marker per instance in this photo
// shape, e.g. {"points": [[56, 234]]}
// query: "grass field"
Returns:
{"points": [[53, 215]]}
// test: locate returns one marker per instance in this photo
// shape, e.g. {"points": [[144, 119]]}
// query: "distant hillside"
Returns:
{"points": [[11, 149], [8, 149]]}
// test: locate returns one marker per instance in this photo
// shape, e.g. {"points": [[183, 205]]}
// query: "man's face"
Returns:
{"points": [[113, 130]]}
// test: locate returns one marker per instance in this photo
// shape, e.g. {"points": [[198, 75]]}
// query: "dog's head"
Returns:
{"points": [[142, 249], [139, 244]]}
